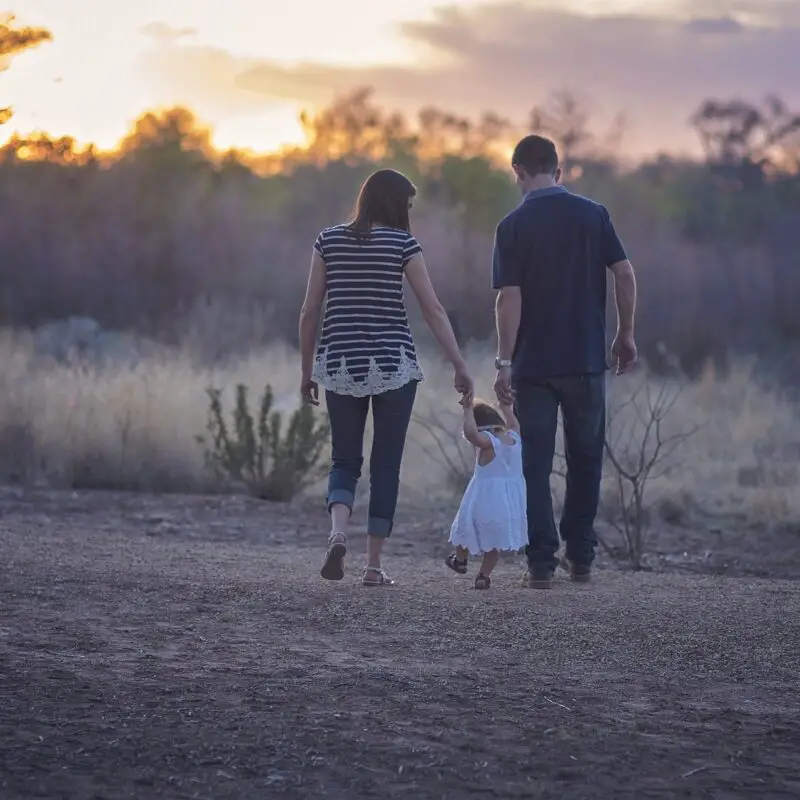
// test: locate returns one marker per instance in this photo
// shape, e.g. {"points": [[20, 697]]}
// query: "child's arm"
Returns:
{"points": [[471, 432], [507, 410]]}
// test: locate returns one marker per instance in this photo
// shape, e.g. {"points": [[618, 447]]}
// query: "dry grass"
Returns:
{"points": [[136, 428]]}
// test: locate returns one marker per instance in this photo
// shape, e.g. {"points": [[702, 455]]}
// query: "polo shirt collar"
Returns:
{"points": [[548, 190]]}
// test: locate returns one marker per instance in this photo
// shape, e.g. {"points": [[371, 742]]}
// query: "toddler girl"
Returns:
{"points": [[491, 516]]}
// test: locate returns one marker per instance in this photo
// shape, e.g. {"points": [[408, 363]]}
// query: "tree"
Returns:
{"points": [[173, 132], [353, 128], [639, 452], [567, 120], [742, 140], [14, 40]]}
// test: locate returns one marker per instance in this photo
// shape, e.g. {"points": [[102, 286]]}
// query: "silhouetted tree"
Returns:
{"points": [[170, 238], [567, 120], [742, 141], [15, 40]]}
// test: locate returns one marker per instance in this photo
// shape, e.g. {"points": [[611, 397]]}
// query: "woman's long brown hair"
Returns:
{"points": [[384, 199]]}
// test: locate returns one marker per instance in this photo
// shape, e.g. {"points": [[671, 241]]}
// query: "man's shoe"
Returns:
{"points": [[538, 579], [579, 573]]}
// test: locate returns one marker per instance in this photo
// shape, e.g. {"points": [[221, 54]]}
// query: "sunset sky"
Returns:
{"points": [[248, 66]]}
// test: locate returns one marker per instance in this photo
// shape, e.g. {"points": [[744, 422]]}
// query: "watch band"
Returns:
{"points": [[500, 363]]}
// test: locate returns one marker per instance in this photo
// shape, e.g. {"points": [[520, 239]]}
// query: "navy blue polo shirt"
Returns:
{"points": [[557, 246]]}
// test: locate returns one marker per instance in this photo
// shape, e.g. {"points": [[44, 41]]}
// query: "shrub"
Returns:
{"points": [[444, 445], [639, 452], [256, 452]]}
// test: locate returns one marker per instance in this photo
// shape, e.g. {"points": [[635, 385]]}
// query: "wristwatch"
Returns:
{"points": [[501, 363]]}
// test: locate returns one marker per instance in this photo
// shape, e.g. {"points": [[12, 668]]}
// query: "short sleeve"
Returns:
{"points": [[505, 261], [612, 248], [410, 248], [318, 244]]}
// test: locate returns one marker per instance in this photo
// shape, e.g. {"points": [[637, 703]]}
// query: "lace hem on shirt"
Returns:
{"points": [[340, 381]]}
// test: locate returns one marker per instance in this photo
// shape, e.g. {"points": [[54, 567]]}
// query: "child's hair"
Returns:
{"points": [[486, 416]]}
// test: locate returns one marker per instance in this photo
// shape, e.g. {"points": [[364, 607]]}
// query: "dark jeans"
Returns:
{"points": [[582, 399], [391, 413]]}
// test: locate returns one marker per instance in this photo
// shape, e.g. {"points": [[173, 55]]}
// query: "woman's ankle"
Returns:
{"points": [[374, 550]]}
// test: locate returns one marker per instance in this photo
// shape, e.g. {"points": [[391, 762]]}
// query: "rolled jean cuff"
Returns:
{"points": [[341, 497], [379, 527]]}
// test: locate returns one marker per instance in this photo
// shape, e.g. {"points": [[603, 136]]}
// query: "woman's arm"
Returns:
{"points": [[433, 311], [480, 439], [310, 314], [507, 410]]}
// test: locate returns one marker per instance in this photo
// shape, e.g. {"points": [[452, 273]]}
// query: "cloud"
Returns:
{"points": [[166, 34], [203, 77], [721, 25], [507, 57]]}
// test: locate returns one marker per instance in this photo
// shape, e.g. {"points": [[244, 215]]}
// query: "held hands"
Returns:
{"points": [[624, 352], [503, 388], [464, 384]]}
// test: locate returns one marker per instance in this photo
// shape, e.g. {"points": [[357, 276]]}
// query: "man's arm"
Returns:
{"points": [[506, 279], [508, 312], [624, 296]]}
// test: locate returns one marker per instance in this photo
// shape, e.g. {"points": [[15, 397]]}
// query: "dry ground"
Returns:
{"points": [[156, 647]]}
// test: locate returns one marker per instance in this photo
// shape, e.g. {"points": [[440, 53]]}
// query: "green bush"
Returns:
{"points": [[271, 463]]}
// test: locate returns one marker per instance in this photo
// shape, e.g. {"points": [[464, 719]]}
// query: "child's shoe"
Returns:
{"points": [[456, 564]]}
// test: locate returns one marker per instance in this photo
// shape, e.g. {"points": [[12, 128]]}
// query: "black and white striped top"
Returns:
{"points": [[366, 346]]}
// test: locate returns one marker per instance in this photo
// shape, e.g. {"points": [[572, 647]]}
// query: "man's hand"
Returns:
{"points": [[624, 352], [502, 386]]}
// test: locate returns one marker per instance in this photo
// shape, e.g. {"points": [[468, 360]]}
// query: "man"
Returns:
{"points": [[551, 257]]}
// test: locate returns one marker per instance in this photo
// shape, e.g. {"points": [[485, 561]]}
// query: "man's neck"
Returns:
{"points": [[538, 182]]}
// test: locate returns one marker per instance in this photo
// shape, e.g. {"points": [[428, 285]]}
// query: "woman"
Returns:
{"points": [[366, 355]]}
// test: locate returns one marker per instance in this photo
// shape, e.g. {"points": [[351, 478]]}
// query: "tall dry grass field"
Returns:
{"points": [[136, 428]]}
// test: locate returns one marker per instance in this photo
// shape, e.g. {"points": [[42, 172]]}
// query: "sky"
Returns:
{"points": [[248, 67]]}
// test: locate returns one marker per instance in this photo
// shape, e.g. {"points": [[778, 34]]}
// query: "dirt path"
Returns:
{"points": [[187, 649]]}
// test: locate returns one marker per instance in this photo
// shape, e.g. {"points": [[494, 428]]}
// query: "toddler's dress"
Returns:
{"points": [[492, 512]]}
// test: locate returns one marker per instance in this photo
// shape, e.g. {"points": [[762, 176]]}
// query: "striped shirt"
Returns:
{"points": [[366, 346]]}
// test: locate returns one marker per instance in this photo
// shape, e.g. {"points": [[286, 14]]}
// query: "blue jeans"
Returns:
{"points": [[391, 414], [582, 400]]}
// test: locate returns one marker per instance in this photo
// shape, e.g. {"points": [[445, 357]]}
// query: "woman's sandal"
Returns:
{"points": [[333, 568], [375, 576], [455, 564], [483, 581]]}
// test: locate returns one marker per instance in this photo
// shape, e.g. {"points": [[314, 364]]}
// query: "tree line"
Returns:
{"points": [[153, 235]]}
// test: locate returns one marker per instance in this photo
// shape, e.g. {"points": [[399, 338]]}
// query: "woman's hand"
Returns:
{"points": [[464, 383], [309, 391], [309, 327]]}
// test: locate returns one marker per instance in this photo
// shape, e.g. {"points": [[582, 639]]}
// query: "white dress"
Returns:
{"points": [[492, 512]]}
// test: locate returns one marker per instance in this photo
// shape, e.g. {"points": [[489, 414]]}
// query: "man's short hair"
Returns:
{"points": [[537, 155]]}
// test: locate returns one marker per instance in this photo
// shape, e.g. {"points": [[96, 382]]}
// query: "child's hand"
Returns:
{"points": [[465, 401]]}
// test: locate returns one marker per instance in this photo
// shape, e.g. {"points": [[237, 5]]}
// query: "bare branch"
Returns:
{"points": [[448, 452], [638, 452]]}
